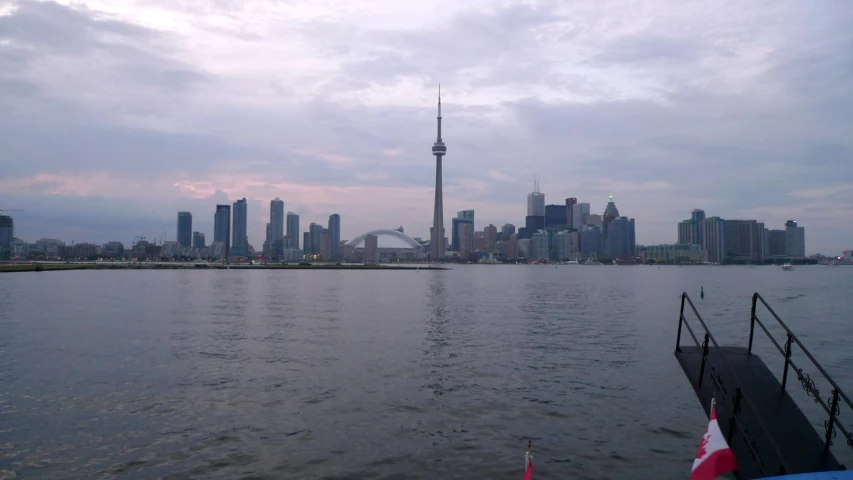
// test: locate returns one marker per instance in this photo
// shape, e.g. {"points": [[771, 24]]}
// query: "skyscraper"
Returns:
{"points": [[540, 246], [536, 202], [507, 231], [306, 243], [240, 242], [714, 239], [335, 237], [316, 232], [7, 231], [293, 228], [276, 219], [570, 211], [466, 240], [222, 227], [455, 229], [621, 238], [198, 240], [795, 240], [555, 216], [185, 229], [490, 234], [437, 234], [326, 246], [580, 212], [744, 240]]}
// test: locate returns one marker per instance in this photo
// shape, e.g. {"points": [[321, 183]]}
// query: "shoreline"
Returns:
{"points": [[53, 267]]}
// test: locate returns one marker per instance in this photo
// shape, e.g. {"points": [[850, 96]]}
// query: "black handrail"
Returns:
{"points": [[735, 405], [808, 384]]}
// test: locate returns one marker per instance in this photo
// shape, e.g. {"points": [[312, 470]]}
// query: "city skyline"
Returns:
{"points": [[742, 114]]}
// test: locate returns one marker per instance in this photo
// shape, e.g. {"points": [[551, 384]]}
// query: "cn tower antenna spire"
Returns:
{"points": [[439, 112]]}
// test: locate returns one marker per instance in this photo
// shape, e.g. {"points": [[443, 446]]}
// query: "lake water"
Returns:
{"points": [[379, 374]]}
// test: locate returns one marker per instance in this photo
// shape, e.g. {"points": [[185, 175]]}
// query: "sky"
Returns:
{"points": [[118, 114]]}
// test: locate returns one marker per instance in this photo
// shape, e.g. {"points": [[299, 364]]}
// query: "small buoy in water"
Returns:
{"points": [[702, 292]]}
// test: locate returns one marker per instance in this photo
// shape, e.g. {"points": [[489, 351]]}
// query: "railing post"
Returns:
{"points": [[830, 425], [735, 409], [787, 357], [752, 321], [680, 321], [704, 356]]}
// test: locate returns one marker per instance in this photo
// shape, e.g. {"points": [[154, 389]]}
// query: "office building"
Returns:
{"points": [[334, 237], [239, 237], [198, 240], [744, 240], [714, 239], [466, 240], [534, 223], [316, 232], [795, 240], [326, 246], [510, 247], [621, 238], [555, 216], [690, 231], [306, 243], [468, 215], [580, 215], [490, 234], [539, 245], [591, 241], [185, 229], [293, 228], [507, 231], [276, 219], [610, 213], [776, 243], [454, 230], [536, 202], [7, 232], [562, 246], [371, 249], [523, 247], [222, 228], [570, 212]]}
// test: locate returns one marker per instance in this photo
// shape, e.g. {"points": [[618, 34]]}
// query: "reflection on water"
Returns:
{"points": [[355, 374]]}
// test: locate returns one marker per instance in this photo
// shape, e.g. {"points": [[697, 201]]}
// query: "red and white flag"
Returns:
{"points": [[714, 457]]}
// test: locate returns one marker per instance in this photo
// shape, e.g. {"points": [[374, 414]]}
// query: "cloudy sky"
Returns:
{"points": [[114, 115]]}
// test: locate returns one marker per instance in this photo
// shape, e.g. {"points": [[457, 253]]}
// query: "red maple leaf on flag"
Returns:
{"points": [[700, 452]]}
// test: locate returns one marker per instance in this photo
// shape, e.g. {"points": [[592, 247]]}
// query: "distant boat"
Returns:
{"points": [[787, 266]]}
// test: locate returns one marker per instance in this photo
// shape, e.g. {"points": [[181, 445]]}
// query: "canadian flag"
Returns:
{"points": [[714, 457]]}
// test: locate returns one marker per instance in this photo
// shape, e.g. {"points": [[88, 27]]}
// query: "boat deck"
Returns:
{"points": [[796, 440]]}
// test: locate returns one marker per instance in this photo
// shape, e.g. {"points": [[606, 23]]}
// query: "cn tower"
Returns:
{"points": [[436, 241]]}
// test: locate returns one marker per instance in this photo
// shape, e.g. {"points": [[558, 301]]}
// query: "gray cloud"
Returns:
{"points": [[738, 114]]}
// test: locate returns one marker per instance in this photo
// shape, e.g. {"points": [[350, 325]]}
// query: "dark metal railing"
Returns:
{"points": [[832, 408], [739, 399]]}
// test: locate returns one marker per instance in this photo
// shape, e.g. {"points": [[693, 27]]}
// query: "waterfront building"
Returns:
{"points": [[466, 240], [713, 239], [293, 228], [334, 238], [240, 239], [276, 218], [795, 240], [185, 228], [222, 229]]}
